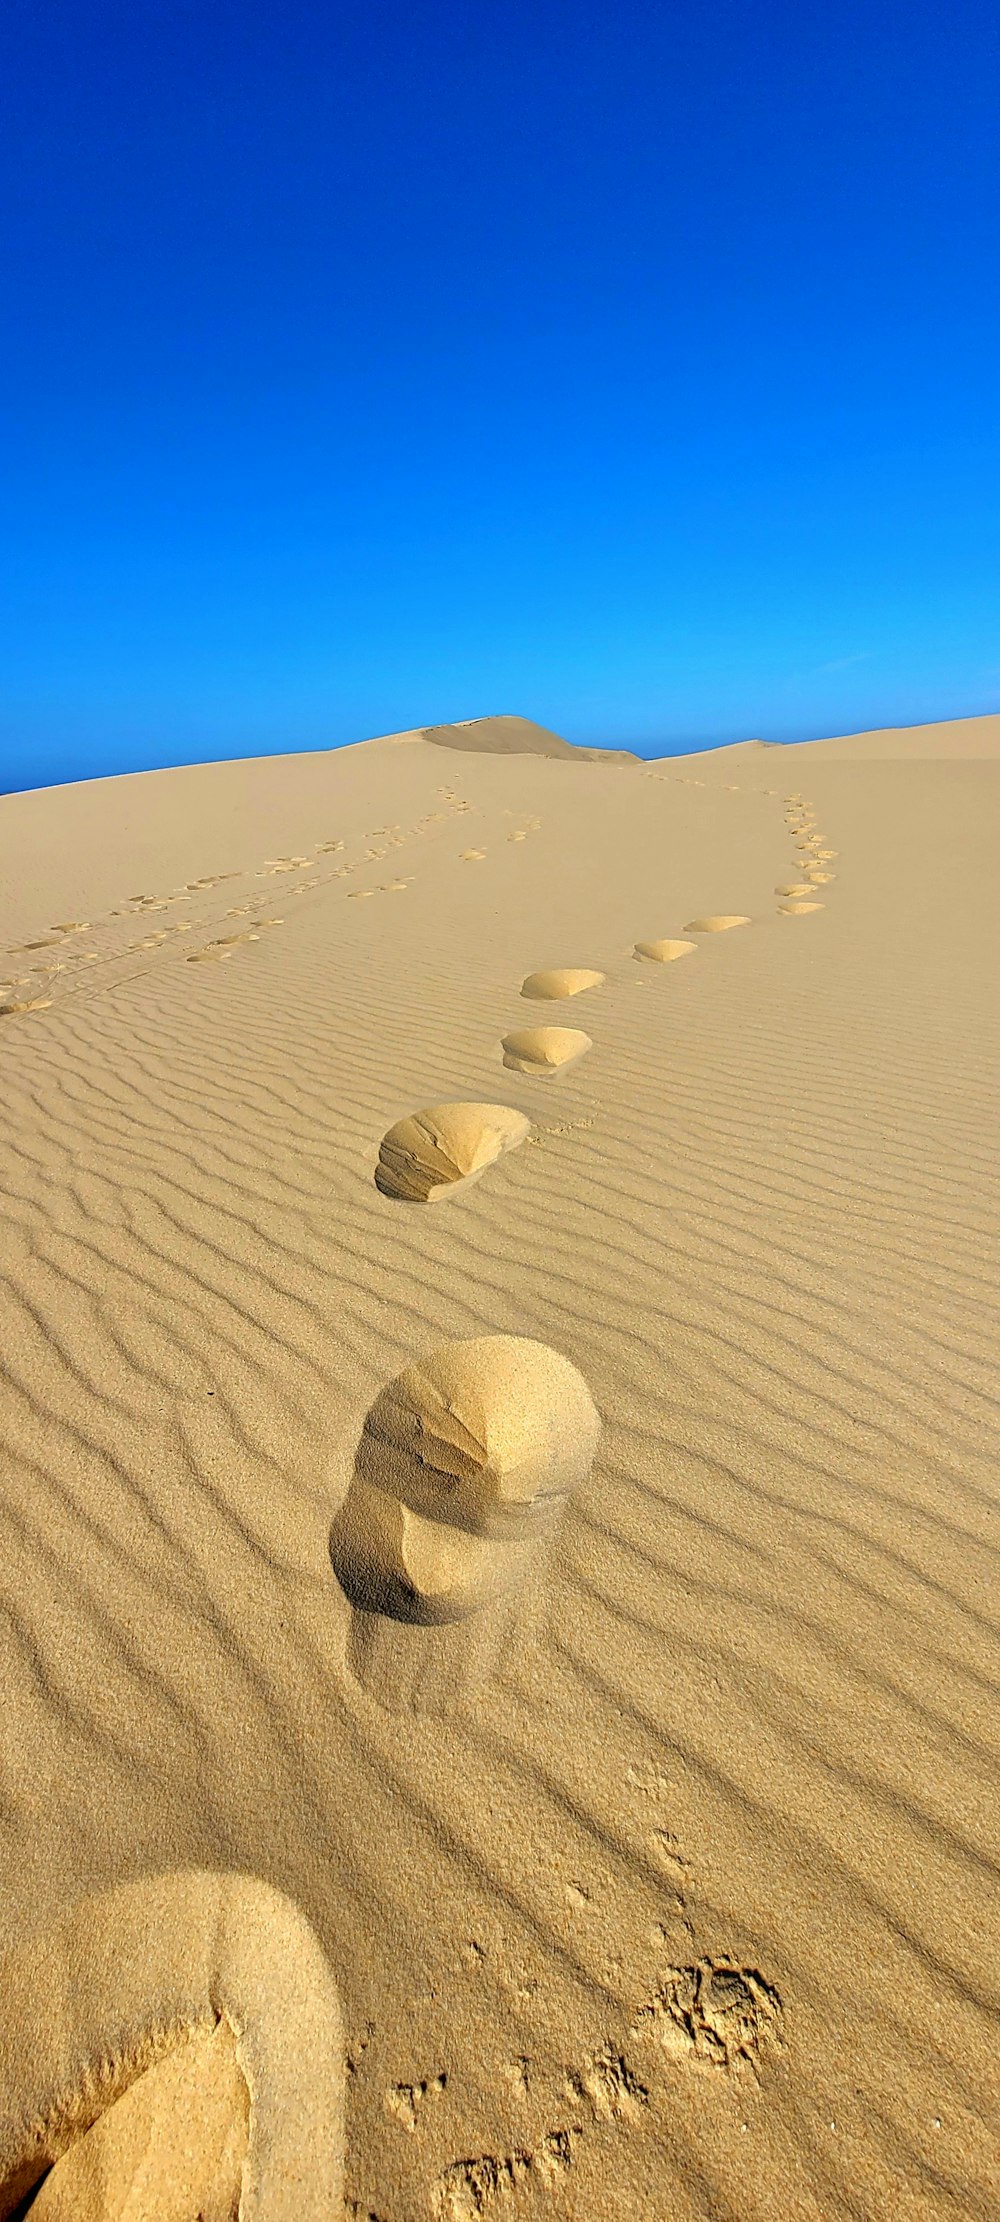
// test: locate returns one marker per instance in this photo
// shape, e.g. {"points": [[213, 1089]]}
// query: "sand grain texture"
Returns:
{"points": [[663, 1880]]}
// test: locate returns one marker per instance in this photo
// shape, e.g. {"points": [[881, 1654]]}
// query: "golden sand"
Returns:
{"points": [[501, 1700]]}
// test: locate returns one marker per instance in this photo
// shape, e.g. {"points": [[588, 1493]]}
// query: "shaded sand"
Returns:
{"points": [[660, 1880]]}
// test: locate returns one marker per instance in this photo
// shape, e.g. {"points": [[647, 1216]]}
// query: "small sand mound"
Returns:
{"points": [[432, 1153], [550, 987], [798, 910], [714, 925], [465, 1461], [543, 1048], [664, 952]]}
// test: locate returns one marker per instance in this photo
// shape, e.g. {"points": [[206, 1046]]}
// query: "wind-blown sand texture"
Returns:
{"points": [[661, 1882]]}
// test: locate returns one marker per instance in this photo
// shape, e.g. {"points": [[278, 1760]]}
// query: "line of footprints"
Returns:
{"points": [[467, 1459], [464, 1465]]}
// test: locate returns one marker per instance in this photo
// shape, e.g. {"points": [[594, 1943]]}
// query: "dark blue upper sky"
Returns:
{"points": [[633, 366]]}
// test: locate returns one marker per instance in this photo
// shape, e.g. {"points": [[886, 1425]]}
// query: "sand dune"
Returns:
{"points": [[633, 1795]]}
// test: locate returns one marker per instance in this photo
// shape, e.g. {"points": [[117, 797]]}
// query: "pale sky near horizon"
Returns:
{"points": [[633, 367]]}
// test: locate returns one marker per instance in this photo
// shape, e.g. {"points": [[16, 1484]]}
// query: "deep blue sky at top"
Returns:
{"points": [[635, 366]]}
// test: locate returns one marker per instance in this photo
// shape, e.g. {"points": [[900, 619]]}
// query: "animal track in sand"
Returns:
{"points": [[610, 2088], [664, 952], [720, 924], [551, 987], [797, 910], [471, 2188], [715, 2013], [544, 1049], [465, 1463], [404, 2100], [433, 1153]]}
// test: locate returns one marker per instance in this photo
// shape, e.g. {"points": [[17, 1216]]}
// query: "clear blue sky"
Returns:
{"points": [[634, 366]]}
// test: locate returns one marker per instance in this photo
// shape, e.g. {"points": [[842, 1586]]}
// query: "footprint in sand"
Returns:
{"points": [[551, 987], [465, 1462], [720, 924], [472, 856], [219, 951], [544, 1049], [30, 1003], [664, 952], [797, 910], [794, 887], [434, 1153], [714, 2012], [191, 2062]]}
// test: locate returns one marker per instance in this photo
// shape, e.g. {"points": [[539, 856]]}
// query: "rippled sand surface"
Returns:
{"points": [[665, 1882]]}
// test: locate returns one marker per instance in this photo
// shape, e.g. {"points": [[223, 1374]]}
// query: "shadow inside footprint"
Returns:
{"points": [[434, 1153], [544, 1049], [664, 952], [718, 923], [550, 987]]}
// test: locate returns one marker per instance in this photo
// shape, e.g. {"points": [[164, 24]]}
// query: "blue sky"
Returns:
{"points": [[636, 367]]}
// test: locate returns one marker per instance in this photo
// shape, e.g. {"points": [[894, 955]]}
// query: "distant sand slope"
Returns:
{"points": [[512, 736], [959, 738], [663, 1882]]}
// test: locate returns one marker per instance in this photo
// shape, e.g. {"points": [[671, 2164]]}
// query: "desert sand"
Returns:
{"points": [[500, 1636]]}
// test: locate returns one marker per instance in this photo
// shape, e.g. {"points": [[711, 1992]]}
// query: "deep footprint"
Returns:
{"points": [[434, 1153], [544, 1049], [465, 1462], [551, 987], [664, 952]]}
